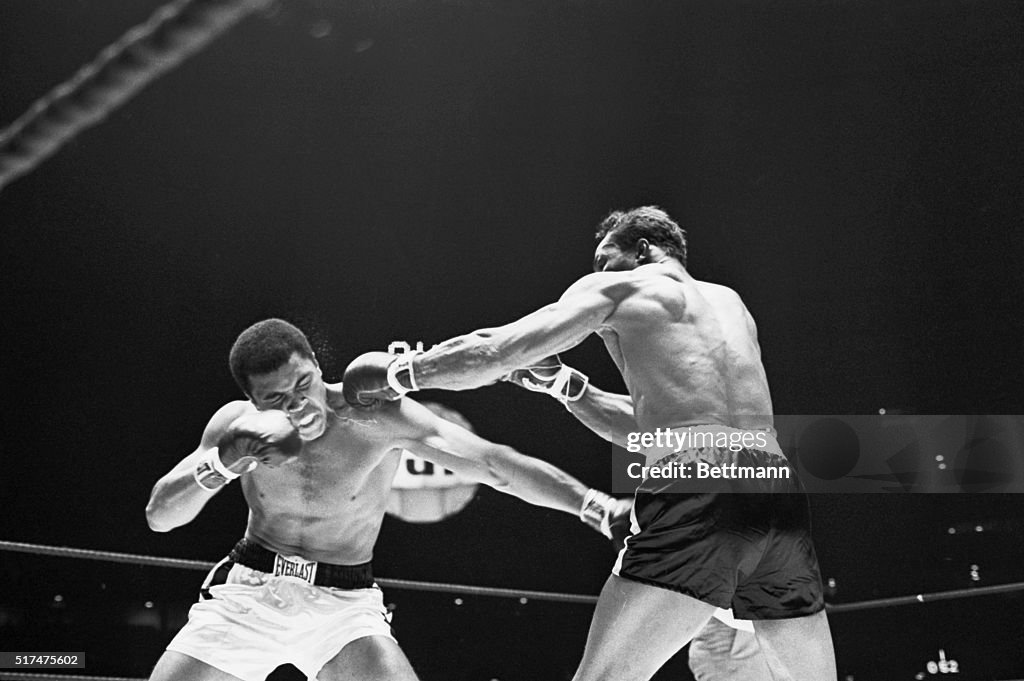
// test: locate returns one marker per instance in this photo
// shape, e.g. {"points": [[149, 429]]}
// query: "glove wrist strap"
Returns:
{"points": [[596, 509], [562, 387], [211, 471], [402, 363], [568, 385]]}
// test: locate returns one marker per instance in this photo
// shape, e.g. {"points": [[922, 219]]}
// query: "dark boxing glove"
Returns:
{"points": [[265, 437], [268, 437], [375, 377]]}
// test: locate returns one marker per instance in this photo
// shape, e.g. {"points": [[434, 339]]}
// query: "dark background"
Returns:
{"points": [[422, 169]]}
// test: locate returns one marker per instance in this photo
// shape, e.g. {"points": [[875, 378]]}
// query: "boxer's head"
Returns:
{"points": [[637, 237], [274, 365]]}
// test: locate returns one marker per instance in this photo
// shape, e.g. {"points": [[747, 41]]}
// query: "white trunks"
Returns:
{"points": [[254, 622]]}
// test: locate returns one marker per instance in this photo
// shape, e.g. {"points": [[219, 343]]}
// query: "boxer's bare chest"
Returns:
{"points": [[347, 470]]}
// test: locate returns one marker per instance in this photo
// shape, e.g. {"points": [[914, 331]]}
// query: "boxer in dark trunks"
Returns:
{"points": [[689, 355]]}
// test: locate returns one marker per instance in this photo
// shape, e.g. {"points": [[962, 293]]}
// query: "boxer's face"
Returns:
{"points": [[608, 257], [296, 388]]}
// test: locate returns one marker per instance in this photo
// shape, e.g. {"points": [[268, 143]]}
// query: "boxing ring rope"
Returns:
{"points": [[926, 598], [468, 590], [28, 676], [172, 34], [410, 585]]}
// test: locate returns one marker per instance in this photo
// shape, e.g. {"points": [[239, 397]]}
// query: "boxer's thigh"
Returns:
{"points": [[371, 658]]}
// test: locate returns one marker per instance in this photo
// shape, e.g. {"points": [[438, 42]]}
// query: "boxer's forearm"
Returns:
{"points": [[176, 498], [175, 502], [609, 415], [484, 356], [536, 482], [180, 495], [465, 362]]}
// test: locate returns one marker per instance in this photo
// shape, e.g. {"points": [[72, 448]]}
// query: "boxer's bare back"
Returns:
{"points": [[692, 350]]}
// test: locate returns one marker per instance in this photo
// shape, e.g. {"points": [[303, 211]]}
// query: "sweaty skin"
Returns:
{"points": [[687, 349], [327, 504], [713, 374], [688, 353]]}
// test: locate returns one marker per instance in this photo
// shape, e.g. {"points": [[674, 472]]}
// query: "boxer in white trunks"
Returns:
{"points": [[316, 473]]}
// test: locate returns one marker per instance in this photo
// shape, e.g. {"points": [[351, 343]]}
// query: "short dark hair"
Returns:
{"points": [[264, 347], [645, 222]]}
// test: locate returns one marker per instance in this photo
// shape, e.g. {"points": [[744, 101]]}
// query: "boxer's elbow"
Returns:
{"points": [[160, 513], [157, 521], [158, 527]]}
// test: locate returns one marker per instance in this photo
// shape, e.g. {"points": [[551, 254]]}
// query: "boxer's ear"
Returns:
{"points": [[643, 251]]}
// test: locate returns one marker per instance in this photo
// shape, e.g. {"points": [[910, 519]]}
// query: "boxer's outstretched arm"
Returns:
{"points": [[609, 415], [498, 466], [484, 356]]}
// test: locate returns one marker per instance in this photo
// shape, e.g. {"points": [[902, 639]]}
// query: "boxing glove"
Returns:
{"points": [[264, 437], [607, 515], [375, 377], [551, 377]]}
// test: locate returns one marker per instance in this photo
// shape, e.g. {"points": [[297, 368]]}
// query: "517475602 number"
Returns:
{"points": [[41, 660]]}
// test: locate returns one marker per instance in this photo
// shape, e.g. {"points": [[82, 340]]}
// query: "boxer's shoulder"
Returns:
{"points": [[229, 412], [645, 292], [616, 286], [381, 417], [222, 420], [717, 292], [335, 398]]}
